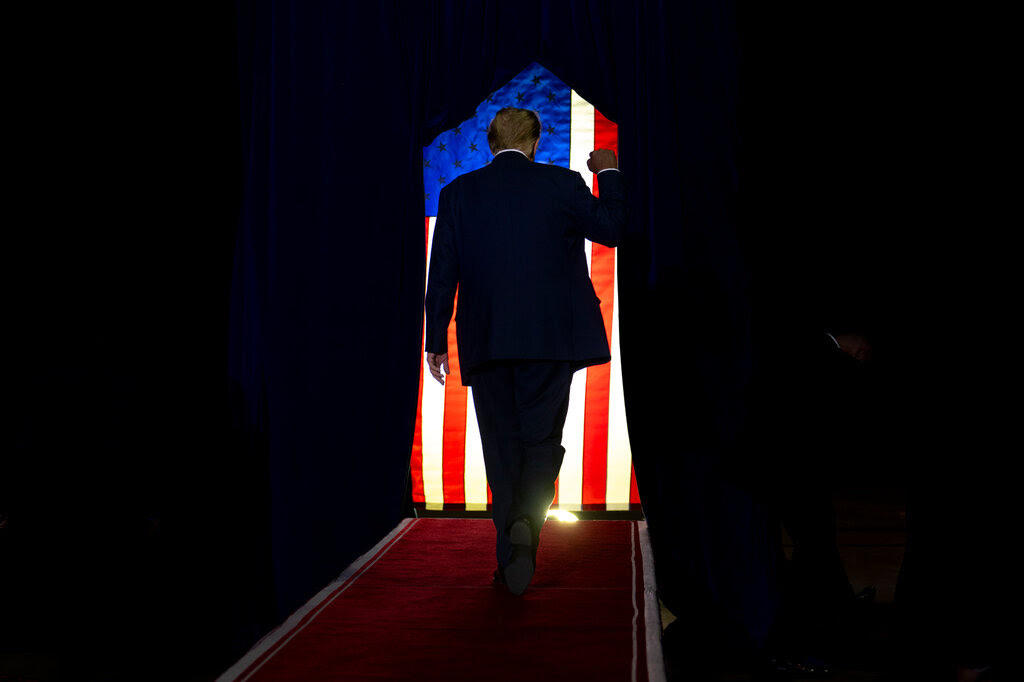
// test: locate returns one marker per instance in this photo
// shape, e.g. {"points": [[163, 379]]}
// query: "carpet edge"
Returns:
{"points": [[652, 613], [275, 636]]}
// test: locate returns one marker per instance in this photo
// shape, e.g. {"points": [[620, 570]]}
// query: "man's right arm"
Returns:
{"points": [[602, 220]]}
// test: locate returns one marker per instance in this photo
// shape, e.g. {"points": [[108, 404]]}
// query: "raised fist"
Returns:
{"points": [[601, 159]]}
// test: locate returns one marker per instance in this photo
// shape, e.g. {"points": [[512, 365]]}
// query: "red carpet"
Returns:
{"points": [[420, 606]]}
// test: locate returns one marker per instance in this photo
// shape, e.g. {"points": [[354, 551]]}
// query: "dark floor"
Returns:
{"points": [[871, 537]]}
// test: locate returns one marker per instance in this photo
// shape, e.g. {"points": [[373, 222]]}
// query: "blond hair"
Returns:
{"points": [[513, 129]]}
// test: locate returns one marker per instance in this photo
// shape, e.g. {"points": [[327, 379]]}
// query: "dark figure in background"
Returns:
{"points": [[831, 418], [810, 410], [510, 238], [813, 407], [816, 291]]}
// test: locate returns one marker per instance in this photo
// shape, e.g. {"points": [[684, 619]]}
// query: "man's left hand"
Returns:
{"points": [[436, 362]]}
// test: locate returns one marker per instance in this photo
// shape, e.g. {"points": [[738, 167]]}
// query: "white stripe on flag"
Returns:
{"points": [[432, 424], [476, 475], [570, 476], [581, 140], [619, 456]]}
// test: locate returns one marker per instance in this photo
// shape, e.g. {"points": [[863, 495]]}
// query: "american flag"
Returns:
{"points": [[447, 459]]}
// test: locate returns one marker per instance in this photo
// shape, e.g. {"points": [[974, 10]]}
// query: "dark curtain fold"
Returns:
{"points": [[328, 280], [337, 102]]}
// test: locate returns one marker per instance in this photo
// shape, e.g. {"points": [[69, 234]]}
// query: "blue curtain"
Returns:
{"points": [[337, 102]]}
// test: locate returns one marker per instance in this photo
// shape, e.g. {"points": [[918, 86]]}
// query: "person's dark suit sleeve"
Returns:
{"points": [[601, 220], [443, 278]]}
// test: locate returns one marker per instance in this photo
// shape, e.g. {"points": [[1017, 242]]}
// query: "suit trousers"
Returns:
{"points": [[520, 408]]}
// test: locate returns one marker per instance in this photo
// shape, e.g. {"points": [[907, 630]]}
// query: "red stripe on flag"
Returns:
{"points": [[416, 458], [595, 420], [606, 133], [595, 415], [634, 492], [453, 453]]}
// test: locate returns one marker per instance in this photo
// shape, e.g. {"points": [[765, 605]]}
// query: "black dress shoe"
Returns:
{"points": [[519, 571]]}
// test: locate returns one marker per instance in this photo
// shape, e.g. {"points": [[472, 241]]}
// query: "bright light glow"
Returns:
{"points": [[562, 515]]}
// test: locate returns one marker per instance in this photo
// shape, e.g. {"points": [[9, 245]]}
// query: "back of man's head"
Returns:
{"points": [[514, 129]]}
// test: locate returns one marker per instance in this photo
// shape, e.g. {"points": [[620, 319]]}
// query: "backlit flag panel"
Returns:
{"points": [[447, 460]]}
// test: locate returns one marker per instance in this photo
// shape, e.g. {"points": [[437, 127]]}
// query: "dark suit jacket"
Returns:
{"points": [[509, 237]]}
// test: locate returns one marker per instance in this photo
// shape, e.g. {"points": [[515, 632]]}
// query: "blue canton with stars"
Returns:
{"points": [[464, 148]]}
